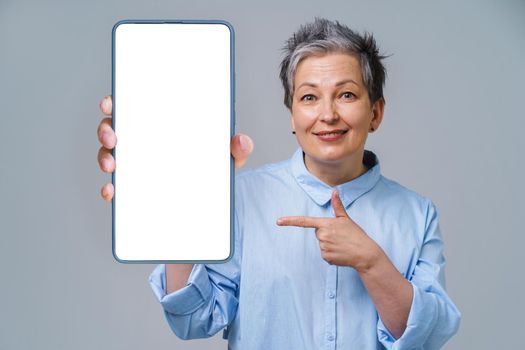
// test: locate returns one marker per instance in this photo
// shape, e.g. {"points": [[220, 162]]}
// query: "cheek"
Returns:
{"points": [[357, 125], [357, 119], [303, 119]]}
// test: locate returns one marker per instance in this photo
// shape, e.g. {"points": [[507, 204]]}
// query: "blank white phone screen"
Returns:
{"points": [[172, 115]]}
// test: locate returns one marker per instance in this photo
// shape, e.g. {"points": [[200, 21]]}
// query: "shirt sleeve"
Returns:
{"points": [[207, 303], [433, 317]]}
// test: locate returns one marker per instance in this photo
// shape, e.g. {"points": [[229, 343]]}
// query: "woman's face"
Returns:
{"points": [[331, 110]]}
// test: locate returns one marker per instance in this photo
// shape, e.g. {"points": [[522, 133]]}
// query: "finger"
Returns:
{"points": [[328, 257], [106, 135], [241, 146], [106, 160], [106, 105], [107, 192], [301, 221], [337, 205]]}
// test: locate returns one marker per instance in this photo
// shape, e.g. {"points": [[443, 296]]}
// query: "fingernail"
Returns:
{"points": [[246, 143], [105, 164], [242, 142], [104, 103], [107, 138]]}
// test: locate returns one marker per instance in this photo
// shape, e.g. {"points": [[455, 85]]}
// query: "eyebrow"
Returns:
{"points": [[339, 83]]}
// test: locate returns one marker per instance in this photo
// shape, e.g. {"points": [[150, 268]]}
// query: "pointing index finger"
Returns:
{"points": [[300, 221]]}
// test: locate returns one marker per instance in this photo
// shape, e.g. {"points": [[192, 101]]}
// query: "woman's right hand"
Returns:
{"points": [[241, 146]]}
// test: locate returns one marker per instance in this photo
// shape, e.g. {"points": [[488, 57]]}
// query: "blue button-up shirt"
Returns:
{"points": [[278, 293]]}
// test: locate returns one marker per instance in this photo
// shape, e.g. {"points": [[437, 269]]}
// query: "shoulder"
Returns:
{"points": [[414, 214], [277, 171], [395, 190], [394, 195], [256, 188]]}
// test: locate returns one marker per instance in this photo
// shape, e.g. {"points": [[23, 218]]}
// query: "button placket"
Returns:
{"points": [[330, 308]]}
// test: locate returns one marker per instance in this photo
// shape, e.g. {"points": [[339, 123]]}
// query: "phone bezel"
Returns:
{"points": [[232, 132]]}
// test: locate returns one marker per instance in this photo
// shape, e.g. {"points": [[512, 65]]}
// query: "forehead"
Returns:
{"points": [[328, 68]]}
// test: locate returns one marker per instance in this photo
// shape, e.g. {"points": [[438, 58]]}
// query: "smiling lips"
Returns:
{"points": [[330, 135]]}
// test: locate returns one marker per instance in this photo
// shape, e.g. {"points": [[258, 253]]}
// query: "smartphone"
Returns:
{"points": [[173, 115]]}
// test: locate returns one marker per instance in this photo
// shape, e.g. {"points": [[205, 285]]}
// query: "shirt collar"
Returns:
{"points": [[321, 193]]}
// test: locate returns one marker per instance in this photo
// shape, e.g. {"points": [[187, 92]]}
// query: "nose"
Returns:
{"points": [[328, 113]]}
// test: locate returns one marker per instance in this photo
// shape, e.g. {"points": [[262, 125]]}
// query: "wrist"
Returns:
{"points": [[372, 260]]}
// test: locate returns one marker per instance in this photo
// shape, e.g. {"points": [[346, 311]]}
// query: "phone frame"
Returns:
{"points": [[232, 132]]}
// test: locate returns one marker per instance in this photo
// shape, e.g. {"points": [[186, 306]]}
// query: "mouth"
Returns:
{"points": [[330, 132], [330, 135]]}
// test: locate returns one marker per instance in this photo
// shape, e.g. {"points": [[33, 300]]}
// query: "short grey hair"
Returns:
{"points": [[323, 36]]}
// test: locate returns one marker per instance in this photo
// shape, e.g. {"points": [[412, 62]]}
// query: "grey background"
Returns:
{"points": [[451, 132]]}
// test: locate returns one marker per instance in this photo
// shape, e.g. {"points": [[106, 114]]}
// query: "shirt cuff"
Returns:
{"points": [[187, 299], [421, 320]]}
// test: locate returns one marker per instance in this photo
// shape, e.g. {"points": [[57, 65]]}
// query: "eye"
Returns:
{"points": [[308, 98], [347, 95]]}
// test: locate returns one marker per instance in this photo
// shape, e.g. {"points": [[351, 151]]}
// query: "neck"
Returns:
{"points": [[334, 173]]}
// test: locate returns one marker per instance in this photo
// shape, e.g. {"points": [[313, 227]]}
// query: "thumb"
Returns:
{"points": [[337, 205], [241, 147]]}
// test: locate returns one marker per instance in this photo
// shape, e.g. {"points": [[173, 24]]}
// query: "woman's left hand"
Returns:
{"points": [[341, 240]]}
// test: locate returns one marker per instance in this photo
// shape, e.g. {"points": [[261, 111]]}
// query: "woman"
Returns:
{"points": [[328, 252]]}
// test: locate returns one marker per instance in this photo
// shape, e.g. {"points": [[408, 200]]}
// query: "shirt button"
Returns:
{"points": [[330, 337], [331, 295]]}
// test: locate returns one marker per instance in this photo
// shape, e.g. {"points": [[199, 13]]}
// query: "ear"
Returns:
{"points": [[293, 123], [378, 110]]}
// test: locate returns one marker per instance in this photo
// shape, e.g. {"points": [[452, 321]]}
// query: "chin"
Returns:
{"points": [[329, 156]]}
